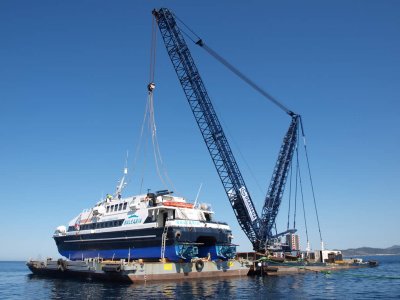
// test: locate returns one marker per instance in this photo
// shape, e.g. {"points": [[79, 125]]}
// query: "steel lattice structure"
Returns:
{"points": [[277, 185], [208, 123], [258, 230]]}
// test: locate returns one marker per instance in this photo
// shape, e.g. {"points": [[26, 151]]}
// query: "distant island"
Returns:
{"points": [[394, 250]]}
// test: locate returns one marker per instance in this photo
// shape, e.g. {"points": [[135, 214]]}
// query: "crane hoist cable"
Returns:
{"points": [[245, 78], [290, 194], [302, 197], [311, 181], [149, 128], [159, 163], [200, 42], [153, 50], [295, 191]]}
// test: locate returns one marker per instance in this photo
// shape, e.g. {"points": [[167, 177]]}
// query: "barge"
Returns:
{"points": [[262, 265], [139, 270]]}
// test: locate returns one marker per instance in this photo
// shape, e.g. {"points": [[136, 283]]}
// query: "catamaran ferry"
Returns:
{"points": [[150, 226]]}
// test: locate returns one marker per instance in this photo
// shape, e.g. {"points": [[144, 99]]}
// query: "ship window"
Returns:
{"points": [[112, 207], [125, 204], [108, 208], [120, 206], [208, 217]]}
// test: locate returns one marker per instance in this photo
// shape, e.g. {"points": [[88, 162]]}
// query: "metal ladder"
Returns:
{"points": [[163, 239]]}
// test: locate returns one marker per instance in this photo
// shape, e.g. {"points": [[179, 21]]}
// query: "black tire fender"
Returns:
{"points": [[62, 265], [199, 265]]}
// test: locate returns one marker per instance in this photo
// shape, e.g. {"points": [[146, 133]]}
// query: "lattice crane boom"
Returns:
{"points": [[276, 188], [208, 124]]}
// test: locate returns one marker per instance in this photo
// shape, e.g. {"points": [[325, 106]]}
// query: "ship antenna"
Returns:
{"points": [[198, 193]]}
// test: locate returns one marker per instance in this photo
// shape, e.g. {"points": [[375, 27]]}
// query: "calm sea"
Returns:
{"points": [[16, 282]]}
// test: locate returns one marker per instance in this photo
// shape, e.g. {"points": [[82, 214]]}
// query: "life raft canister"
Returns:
{"points": [[178, 204]]}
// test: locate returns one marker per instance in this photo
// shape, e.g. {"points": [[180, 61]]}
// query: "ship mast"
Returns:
{"points": [[122, 183]]}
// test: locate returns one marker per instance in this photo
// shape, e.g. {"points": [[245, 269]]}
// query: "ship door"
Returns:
{"points": [[162, 218], [165, 216]]}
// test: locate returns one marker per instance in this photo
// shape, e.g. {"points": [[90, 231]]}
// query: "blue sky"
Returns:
{"points": [[73, 77]]}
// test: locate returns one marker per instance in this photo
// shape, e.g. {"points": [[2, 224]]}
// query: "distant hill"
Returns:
{"points": [[394, 250]]}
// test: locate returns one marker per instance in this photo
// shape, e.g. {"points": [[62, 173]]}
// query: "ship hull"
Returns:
{"points": [[145, 244]]}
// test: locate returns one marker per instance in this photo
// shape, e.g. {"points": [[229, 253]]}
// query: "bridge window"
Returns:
{"points": [[125, 204], [108, 208]]}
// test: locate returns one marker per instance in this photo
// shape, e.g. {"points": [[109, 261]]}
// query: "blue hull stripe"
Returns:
{"points": [[136, 253]]}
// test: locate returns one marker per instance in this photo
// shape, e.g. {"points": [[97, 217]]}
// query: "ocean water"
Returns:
{"points": [[382, 282]]}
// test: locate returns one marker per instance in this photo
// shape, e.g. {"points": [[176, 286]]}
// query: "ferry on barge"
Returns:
{"points": [[149, 226]]}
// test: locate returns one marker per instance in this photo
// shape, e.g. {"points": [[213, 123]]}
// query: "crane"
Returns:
{"points": [[258, 229]]}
